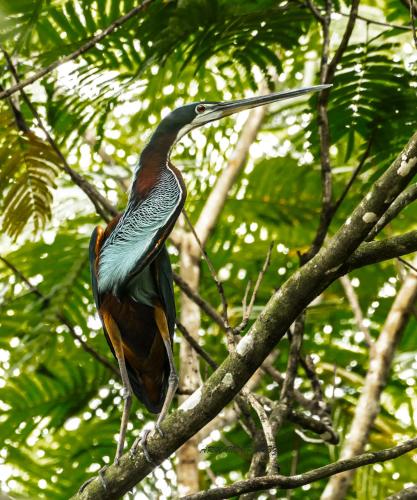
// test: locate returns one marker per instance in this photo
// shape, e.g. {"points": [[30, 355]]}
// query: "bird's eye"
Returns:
{"points": [[200, 108]]}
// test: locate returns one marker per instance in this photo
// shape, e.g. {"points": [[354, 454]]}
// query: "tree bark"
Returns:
{"points": [[367, 409]]}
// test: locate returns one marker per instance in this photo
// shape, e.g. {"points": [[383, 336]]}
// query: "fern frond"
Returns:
{"points": [[29, 167]]}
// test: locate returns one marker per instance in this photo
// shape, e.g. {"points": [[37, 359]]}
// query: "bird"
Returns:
{"points": [[131, 272]]}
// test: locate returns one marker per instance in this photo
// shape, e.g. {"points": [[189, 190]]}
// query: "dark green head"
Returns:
{"points": [[180, 121]]}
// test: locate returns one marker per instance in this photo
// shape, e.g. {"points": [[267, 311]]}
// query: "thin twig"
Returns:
{"points": [[308, 366], [296, 339], [356, 308], [308, 404], [378, 23], [290, 482], [368, 20], [323, 429], [327, 72], [408, 264], [413, 21], [355, 173], [272, 467], [213, 273], [247, 311], [35, 290], [81, 50], [198, 299], [281, 410], [321, 404], [196, 346], [101, 204], [344, 42], [279, 379], [315, 11]]}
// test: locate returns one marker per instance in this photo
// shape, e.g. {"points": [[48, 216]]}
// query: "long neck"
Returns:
{"points": [[153, 161]]}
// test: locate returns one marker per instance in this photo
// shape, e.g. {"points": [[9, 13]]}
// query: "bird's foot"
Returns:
{"points": [[158, 428], [141, 440], [100, 475]]}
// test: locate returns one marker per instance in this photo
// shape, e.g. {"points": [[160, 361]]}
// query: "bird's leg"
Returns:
{"points": [[116, 340], [162, 324]]}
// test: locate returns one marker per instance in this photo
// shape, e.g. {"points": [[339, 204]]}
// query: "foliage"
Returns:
{"points": [[60, 407], [27, 177]]}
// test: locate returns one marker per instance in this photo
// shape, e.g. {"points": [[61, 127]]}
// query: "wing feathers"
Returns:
{"points": [[140, 232]]}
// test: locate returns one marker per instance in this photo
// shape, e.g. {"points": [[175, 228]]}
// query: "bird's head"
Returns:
{"points": [[186, 118]]}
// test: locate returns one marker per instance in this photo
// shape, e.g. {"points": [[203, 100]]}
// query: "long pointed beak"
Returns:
{"points": [[222, 109], [231, 107]]}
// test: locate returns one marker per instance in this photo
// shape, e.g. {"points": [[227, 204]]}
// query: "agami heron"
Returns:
{"points": [[130, 267]]}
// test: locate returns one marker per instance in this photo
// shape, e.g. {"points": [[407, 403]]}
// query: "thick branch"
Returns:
{"points": [[290, 482], [378, 251], [81, 50]]}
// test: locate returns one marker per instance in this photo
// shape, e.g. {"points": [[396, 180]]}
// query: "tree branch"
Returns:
{"points": [[378, 251], [327, 72], [344, 43], [290, 482], [81, 50], [413, 16], [197, 299], [247, 309], [355, 173], [406, 494], [101, 204], [404, 199], [196, 346], [356, 308], [378, 23]]}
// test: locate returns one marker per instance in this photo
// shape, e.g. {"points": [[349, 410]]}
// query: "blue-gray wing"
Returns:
{"points": [[140, 233]]}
